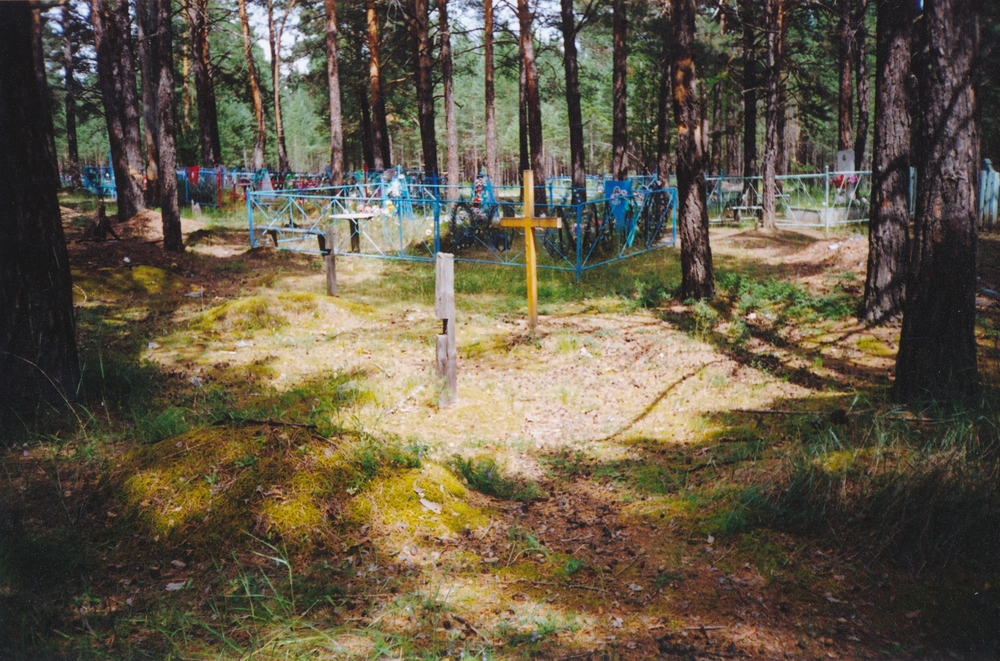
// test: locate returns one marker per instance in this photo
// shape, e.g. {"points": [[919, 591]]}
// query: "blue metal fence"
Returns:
{"points": [[402, 219]]}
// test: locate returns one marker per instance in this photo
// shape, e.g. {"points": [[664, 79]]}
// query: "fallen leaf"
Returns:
{"points": [[174, 587], [432, 506], [178, 564]]}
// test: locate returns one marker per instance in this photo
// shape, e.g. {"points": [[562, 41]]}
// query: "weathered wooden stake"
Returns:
{"points": [[444, 309], [331, 263]]}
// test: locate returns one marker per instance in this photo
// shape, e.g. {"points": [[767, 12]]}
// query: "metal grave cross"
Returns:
{"points": [[528, 222]]}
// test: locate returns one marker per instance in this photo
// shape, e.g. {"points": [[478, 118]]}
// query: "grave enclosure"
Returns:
{"points": [[399, 216]]}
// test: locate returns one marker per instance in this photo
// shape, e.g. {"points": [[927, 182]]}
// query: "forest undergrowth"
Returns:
{"points": [[255, 470]]}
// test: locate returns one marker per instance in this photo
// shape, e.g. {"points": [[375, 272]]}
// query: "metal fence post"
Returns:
{"points": [[826, 198], [253, 241], [673, 213], [579, 241], [437, 219]]}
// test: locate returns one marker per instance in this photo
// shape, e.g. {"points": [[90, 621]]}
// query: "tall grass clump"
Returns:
{"points": [[485, 476], [922, 491], [784, 300]]}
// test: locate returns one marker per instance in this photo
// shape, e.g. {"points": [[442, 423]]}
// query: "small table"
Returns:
{"points": [[353, 218]]}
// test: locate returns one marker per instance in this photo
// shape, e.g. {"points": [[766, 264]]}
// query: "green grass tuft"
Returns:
{"points": [[485, 476]]}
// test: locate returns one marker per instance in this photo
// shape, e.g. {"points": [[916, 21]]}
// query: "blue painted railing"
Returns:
{"points": [[406, 220]]}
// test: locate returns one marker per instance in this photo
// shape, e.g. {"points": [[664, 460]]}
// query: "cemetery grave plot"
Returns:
{"points": [[280, 478]]}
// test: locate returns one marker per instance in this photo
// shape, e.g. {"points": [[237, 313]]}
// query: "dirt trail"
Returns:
{"points": [[626, 419]]}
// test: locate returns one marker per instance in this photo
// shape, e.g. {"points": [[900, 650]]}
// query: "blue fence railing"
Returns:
{"points": [[413, 221], [205, 186]]}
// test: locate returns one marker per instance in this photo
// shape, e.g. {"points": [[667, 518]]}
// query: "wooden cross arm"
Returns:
{"points": [[524, 223]]}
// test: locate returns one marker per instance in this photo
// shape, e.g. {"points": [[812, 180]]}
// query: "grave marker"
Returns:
{"points": [[444, 309], [330, 259], [529, 222]]}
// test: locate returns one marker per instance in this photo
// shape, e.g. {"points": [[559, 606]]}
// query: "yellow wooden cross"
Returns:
{"points": [[528, 222]]}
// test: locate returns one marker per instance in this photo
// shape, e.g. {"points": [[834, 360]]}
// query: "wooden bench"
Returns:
{"points": [[319, 234], [757, 211]]}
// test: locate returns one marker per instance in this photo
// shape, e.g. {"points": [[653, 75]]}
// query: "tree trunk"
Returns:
{"points": [[208, 116], [450, 120], [532, 101], [71, 140], [116, 75], [38, 358], [490, 90], [733, 163], [697, 279], [255, 93], [750, 170], [147, 26], [163, 47], [41, 78], [781, 157], [937, 347], [845, 110], [715, 132], [524, 158], [333, 85], [860, 51], [888, 227], [578, 168], [425, 86], [367, 144], [774, 19], [380, 130], [619, 72], [274, 41], [663, 122]]}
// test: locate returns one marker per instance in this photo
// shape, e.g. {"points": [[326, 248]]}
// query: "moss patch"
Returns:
{"points": [[401, 498], [242, 315]]}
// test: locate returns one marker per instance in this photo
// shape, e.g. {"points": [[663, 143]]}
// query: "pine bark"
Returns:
{"points": [[147, 25], [937, 347], [774, 19], [72, 147], [619, 91], [254, 82], [165, 143], [860, 52], [204, 85], [750, 166], [116, 77], [490, 91], [41, 78], [380, 130], [697, 279], [274, 41], [524, 157], [663, 123], [888, 226], [532, 102], [450, 120], [38, 357], [367, 143], [845, 108], [425, 86], [333, 86], [578, 170]]}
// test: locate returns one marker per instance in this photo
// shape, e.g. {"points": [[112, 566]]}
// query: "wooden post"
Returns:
{"points": [[444, 309], [355, 236], [331, 262]]}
